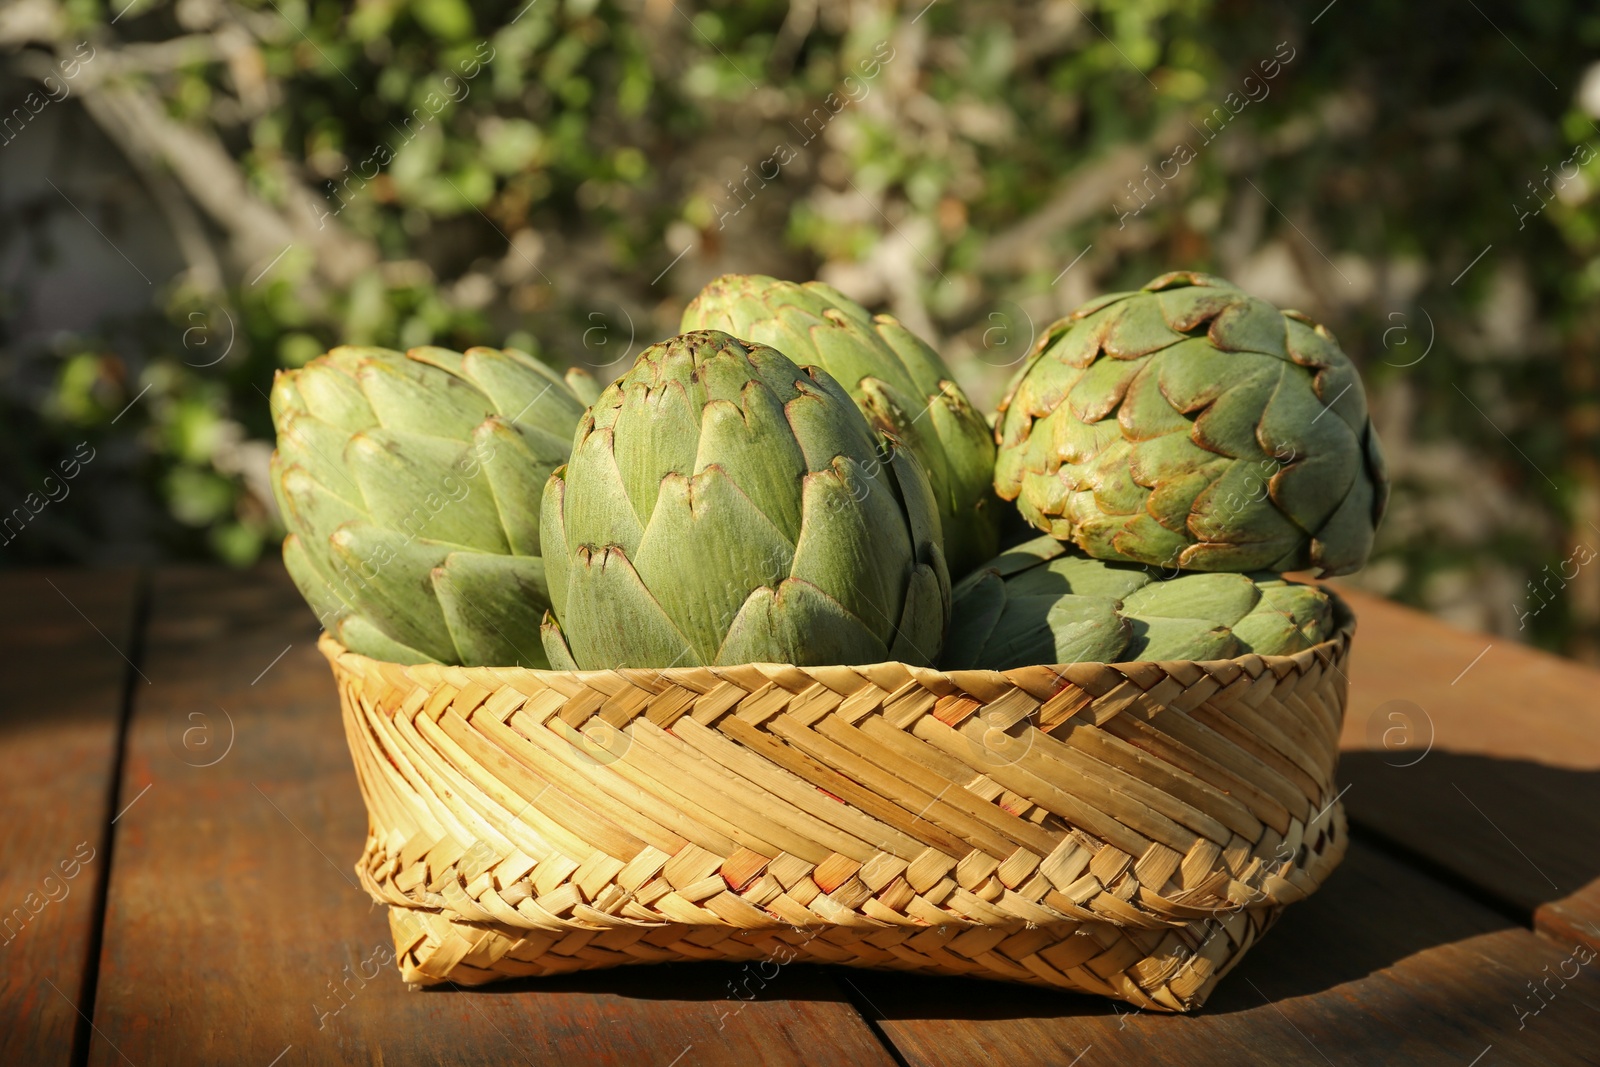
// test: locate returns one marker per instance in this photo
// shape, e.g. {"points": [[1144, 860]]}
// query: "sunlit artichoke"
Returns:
{"points": [[410, 484], [1043, 602], [1192, 425], [723, 505], [896, 379]]}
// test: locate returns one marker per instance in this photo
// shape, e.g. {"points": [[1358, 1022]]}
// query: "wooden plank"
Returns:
{"points": [[63, 638], [1382, 966], [1481, 756], [236, 933]]}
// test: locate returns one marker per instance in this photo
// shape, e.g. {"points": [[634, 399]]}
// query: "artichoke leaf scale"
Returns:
{"points": [[1084, 628], [1269, 629], [1229, 511], [555, 645], [920, 631], [412, 396], [613, 620], [492, 606], [426, 487], [754, 439], [707, 548], [386, 576], [603, 513], [356, 631], [313, 584], [1342, 542], [1220, 599], [1144, 538], [1251, 325], [1227, 425], [1139, 331], [1111, 478], [537, 399], [553, 541], [798, 624], [516, 475], [451, 362], [1101, 388], [1187, 308], [855, 545], [821, 434], [335, 398], [654, 430], [316, 511], [1144, 413], [318, 448], [1180, 639]]}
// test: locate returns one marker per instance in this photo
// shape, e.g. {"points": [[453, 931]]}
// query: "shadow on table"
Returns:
{"points": [[1514, 834], [730, 982]]}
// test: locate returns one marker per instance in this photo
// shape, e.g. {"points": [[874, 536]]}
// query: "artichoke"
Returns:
{"points": [[899, 383], [1192, 425], [1042, 602], [722, 506], [410, 484]]}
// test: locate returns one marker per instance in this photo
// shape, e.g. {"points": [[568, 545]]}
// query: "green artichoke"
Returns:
{"points": [[899, 383], [410, 485], [724, 506], [1042, 602], [1192, 425]]}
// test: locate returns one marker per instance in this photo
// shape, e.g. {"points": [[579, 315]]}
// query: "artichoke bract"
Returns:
{"points": [[900, 384], [1191, 425], [723, 506], [1044, 603], [410, 484]]}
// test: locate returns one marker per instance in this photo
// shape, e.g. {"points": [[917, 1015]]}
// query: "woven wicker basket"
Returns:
{"points": [[1125, 829]]}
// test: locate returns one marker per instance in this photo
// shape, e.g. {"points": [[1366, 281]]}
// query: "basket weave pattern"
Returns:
{"points": [[1127, 830]]}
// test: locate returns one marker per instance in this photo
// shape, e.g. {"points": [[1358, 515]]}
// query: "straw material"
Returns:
{"points": [[1125, 829]]}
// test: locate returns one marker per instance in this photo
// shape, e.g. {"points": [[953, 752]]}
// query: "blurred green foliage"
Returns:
{"points": [[564, 174]]}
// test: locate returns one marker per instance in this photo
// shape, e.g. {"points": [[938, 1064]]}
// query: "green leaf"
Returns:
{"points": [[313, 584], [555, 645], [1179, 639], [597, 510], [418, 398], [554, 548], [799, 624], [656, 431], [920, 632], [855, 545], [516, 476], [976, 605], [752, 442], [1216, 599], [333, 395], [358, 634], [427, 487], [707, 548], [493, 606], [611, 619], [385, 575]]}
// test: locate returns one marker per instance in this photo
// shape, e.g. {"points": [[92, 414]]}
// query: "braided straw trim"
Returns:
{"points": [[1125, 829]]}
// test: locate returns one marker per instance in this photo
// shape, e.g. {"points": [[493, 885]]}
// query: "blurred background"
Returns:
{"points": [[195, 193]]}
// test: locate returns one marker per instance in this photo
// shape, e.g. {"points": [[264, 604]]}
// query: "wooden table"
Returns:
{"points": [[181, 819]]}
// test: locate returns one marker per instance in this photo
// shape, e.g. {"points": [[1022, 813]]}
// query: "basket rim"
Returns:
{"points": [[1329, 651]]}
